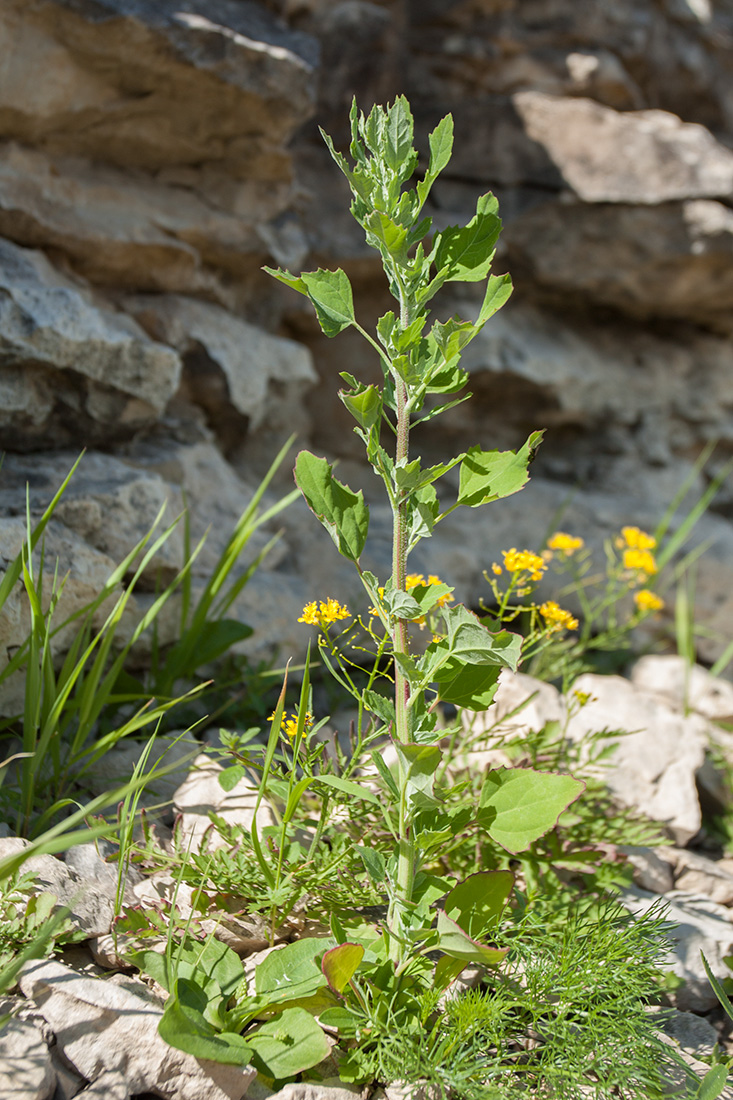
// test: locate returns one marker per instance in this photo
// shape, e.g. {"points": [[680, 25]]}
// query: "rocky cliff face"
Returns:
{"points": [[155, 153]]}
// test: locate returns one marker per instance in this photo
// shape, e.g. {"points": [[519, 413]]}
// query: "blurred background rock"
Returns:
{"points": [[156, 153]]}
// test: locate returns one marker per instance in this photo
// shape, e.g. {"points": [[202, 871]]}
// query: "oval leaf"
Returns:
{"points": [[341, 963], [518, 805]]}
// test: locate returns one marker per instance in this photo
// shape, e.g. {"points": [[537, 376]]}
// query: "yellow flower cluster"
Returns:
{"points": [[648, 601], [641, 561], [289, 726], [566, 544], [636, 539], [522, 561], [324, 614], [637, 548], [556, 618]]}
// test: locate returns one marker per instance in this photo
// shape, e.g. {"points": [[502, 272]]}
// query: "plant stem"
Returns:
{"points": [[406, 855]]}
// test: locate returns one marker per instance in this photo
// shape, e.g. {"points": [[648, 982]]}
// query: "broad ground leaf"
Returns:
{"points": [[291, 972], [184, 1026], [459, 945], [342, 512], [518, 806], [289, 1043], [341, 963], [491, 475], [477, 903]]}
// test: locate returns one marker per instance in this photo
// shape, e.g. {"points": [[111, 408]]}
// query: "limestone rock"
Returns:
{"points": [[26, 1070], [651, 871], [700, 925], [172, 753], [646, 157], [109, 378], [91, 905], [251, 369], [107, 503], [86, 572], [155, 84], [671, 260], [654, 765], [103, 1028], [328, 1089], [136, 231], [669, 677], [201, 793]]}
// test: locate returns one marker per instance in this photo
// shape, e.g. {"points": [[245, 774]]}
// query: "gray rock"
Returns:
{"points": [[328, 1089], [692, 1033], [173, 753], [109, 377], [103, 1028], [651, 872], [699, 926], [26, 1070], [253, 365], [91, 906]]}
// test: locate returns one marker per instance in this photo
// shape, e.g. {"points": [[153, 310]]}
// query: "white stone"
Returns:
{"points": [[654, 765], [26, 1070], [103, 1028], [201, 793], [680, 685]]}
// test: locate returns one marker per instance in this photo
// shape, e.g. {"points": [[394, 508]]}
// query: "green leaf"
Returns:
{"points": [[518, 806], [718, 989], [477, 903], [364, 404], [332, 298], [341, 963], [400, 604], [467, 685], [498, 292], [293, 281], [291, 972], [441, 147], [468, 639], [344, 1021], [288, 1044], [446, 971], [374, 864], [713, 1083], [212, 640], [464, 254], [387, 777], [342, 512], [423, 510], [391, 236], [492, 475], [184, 1026], [229, 778], [419, 765], [396, 137], [379, 705], [459, 945], [347, 786]]}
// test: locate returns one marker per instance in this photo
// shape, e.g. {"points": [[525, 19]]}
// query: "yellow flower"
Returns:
{"points": [[289, 726], [324, 614], [524, 561], [641, 561], [412, 580], [566, 544], [497, 569], [636, 539], [556, 618], [648, 601]]}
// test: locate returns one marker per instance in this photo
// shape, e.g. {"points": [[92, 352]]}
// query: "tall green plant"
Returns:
{"points": [[461, 665]]}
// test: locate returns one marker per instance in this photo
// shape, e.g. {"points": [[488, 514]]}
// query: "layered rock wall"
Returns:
{"points": [[154, 155]]}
